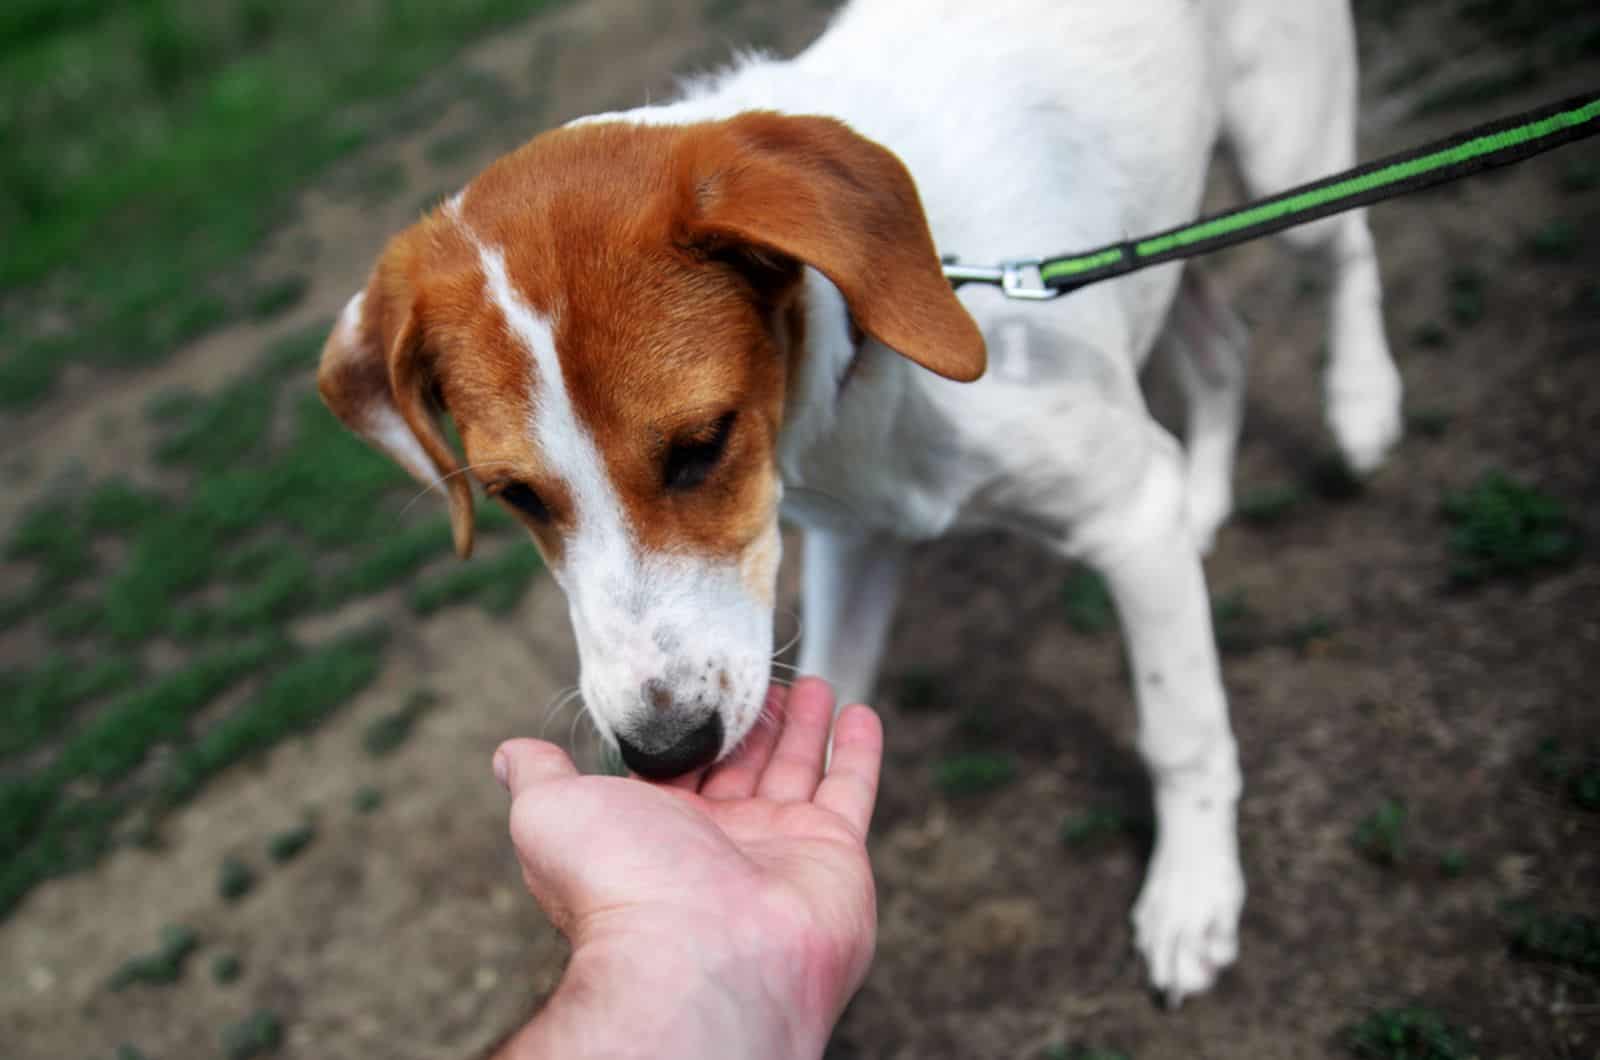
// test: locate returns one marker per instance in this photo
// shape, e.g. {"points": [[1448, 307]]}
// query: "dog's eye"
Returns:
{"points": [[524, 500], [691, 461]]}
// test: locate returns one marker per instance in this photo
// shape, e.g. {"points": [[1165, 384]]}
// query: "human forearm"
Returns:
{"points": [[647, 1003]]}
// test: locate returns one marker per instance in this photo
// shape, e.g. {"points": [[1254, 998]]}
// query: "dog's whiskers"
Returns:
{"points": [[799, 628], [558, 703], [439, 482]]}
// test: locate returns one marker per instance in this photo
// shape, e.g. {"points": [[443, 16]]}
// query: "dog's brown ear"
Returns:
{"points": [[375, 376], [813, 190]]}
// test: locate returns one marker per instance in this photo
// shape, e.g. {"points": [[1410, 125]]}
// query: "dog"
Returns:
{"points": [[657, 330]]}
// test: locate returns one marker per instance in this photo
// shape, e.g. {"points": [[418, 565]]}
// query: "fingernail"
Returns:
{"points": [[500, 769]]}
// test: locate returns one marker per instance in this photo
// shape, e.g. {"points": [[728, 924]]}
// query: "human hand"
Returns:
{"points": [[728, 913]]}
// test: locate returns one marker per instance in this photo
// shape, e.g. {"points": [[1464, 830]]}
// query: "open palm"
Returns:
{"points": [[759, 862]]}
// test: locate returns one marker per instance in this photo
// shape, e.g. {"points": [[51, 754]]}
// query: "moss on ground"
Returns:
{"points": [[1503, 528], [192, 168], [270, 512], [1407, 1033], [974, 773]]}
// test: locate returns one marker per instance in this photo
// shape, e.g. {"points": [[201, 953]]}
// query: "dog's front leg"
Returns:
{"points": [[849, 584], [1185, 921]]}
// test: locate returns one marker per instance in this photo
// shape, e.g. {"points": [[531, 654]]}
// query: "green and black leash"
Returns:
{"points": [[1497, 143]]}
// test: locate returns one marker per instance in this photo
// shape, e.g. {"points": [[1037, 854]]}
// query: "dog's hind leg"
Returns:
{"points": [[1206, 345], [1289, 112]]}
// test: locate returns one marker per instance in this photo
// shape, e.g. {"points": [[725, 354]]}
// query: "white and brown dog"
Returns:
{"points": [[656, 330]]}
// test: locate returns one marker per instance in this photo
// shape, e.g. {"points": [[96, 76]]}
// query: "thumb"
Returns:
{"points": [[520, 764]]}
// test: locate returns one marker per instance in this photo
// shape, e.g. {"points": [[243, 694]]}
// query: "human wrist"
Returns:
{"points": [[668, 995]]}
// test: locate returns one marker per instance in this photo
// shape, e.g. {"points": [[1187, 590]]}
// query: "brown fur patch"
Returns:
{"points": [[666, 259]]}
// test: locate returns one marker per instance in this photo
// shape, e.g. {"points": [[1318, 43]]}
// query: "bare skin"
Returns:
{"points": [[727, 913]]}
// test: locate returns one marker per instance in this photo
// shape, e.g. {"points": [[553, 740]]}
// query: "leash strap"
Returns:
{"points": [[1497, 143]]}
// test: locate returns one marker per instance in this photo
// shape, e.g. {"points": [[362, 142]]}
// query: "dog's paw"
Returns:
{"points": [[1364, 414], [1186, 922]]}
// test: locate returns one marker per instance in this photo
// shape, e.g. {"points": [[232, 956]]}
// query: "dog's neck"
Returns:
{"points": [[849, 402]]}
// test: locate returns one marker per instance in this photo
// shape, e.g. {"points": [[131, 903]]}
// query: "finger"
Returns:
{"points": [[520, 764], [796, 763], [851, 787], [736, 778]]}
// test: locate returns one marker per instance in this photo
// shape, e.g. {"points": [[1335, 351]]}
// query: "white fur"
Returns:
{"points": [[381, 424], [1033, 127]]}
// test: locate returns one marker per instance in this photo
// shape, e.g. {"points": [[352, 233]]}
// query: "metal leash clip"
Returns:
{"points": [[1016, 279]]}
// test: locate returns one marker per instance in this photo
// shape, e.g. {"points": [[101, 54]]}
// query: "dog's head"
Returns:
{"points": [[610, 316]]}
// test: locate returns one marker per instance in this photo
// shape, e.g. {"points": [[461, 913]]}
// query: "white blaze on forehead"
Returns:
{"points": [[567, 446]]}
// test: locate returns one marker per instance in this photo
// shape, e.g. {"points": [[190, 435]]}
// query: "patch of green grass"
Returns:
{"points": [[40, 702], [1088, 602], [974, 773], [278, 296], [1269, 504], [1061, 1051], [235, 879], [259, 1034], [1380, 837], [114, 507], [221, 112], [1407, 1033], [294, 699], [170, 404], [1555, 240], [295, 353], [126, 1051], [1502, 528], [1453, 863], [49, 537], [495, 582], [276, 520], [1098, 824], [386, 733], [162, 966], [226, 968], [223, 429], [72, 618], [1568, 939], [287, 845], [367, 799], [120, 736], [392, 558]]}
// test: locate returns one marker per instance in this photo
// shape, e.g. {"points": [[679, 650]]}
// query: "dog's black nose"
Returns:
{"points": [[673, 757]]}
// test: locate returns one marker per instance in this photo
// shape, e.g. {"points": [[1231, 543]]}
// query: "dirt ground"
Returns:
{"points": [[403, 933]]}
